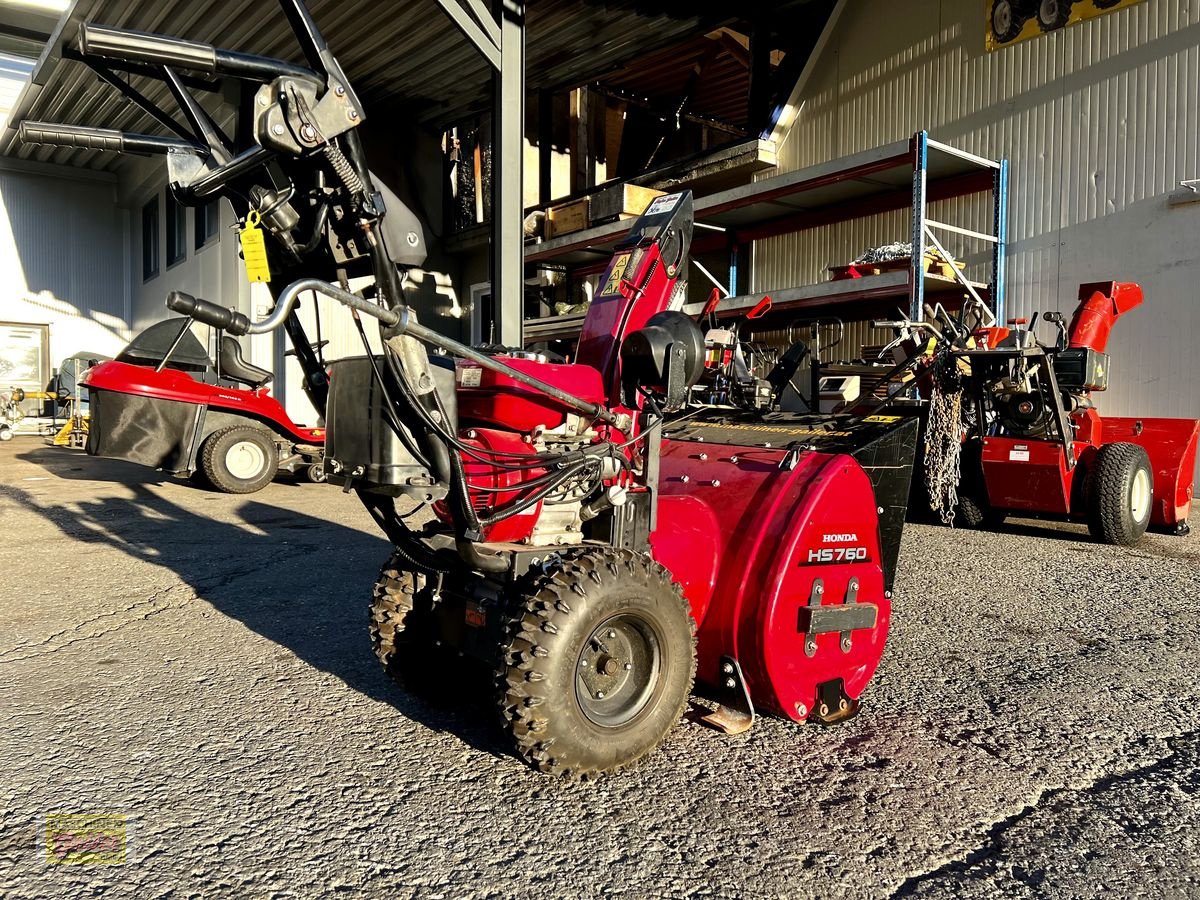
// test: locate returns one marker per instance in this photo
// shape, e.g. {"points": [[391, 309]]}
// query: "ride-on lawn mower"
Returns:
{"points": [[164, 403], [601, 535]]}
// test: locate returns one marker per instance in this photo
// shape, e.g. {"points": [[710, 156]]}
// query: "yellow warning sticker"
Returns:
{"points": [[883, 420], [616, 274], [254, 249]]}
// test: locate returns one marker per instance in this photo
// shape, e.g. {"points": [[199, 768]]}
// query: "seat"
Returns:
{"points": [[233, 366]]}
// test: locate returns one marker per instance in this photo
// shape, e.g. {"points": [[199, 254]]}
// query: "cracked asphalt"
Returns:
{"points": [[199, 664]]}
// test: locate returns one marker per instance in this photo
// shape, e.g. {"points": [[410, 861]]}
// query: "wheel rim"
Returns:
{"points": [[1139, 496], [1049, 12], [1002, 18], [618, 670], [245, 460]]}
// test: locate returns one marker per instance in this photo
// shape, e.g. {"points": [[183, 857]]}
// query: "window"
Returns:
{"points": [[150, 240], [176, 230], [208, 223]]}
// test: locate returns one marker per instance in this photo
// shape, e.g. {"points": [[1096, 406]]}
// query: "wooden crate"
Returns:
{"points": [[622, 201], [568, 218]]}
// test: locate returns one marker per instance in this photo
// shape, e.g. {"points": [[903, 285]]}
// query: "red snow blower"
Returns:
{"points": [[1044, 450], [602, 533]]}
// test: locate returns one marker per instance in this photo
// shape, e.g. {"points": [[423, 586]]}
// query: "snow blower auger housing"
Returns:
{"points": [[603, 533]]}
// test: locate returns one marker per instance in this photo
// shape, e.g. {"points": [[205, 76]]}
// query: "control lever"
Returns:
{"points": [[1060, 322]]}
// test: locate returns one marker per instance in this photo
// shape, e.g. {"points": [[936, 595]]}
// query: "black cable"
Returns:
{"points": [[388, 405]]}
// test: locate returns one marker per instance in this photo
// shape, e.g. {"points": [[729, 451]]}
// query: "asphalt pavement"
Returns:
{"points": [[197, 666]]}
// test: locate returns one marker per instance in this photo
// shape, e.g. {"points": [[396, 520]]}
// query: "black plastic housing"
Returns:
{"points": [[360, 445], [1081, 369]]}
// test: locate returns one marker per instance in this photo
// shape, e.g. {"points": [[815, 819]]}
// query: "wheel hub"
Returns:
{"points": [[1139, 500], [245, 460], [618, 670]]}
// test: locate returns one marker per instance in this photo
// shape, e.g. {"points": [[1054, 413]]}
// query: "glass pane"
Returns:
{"points": [[150, 240]]}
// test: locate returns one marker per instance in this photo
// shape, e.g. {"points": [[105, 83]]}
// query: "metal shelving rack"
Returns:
{"points": [[907, 174]]}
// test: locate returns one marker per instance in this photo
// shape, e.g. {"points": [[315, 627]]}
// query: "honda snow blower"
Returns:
{"points": [[603, 535]]}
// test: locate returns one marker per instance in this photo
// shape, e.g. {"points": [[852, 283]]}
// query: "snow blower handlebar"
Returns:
{"points": [[399, 321]]}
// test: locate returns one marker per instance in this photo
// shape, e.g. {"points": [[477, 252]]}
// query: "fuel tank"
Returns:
{"points": [[784, 535]]}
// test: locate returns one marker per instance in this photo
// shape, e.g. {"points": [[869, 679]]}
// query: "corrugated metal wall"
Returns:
{"points": [[62, 260], [62, 247], [1099, 122]]}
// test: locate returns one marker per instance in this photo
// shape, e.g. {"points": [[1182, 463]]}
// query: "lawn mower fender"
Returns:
{"points": [[779, 556]]}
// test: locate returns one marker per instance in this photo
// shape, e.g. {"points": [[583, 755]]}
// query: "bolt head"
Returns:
{"points": [[684, 478], [824, 709], [353, 114], [716, 483], [599, 695], [730, 683], [703, 457], [628, 667], [611, 635], [734, 460], [801, 710], [340, 90], [727, 668], [277, 129]]}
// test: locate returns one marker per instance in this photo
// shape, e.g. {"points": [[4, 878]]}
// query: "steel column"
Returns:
{"points": [[919, 201], [508, 183], [1000, 251]]}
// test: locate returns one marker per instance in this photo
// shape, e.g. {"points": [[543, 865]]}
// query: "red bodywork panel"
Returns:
{"points": [[635, 287], [171, 384], [484, 475], [1024, 475], [1027, 475], [492, 398], [1171, 446], [747, 540]]}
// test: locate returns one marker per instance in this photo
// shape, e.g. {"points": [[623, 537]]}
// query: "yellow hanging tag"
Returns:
{"points": [[254, 249]]}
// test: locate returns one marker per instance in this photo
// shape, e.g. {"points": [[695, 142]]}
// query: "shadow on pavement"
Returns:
{"points": [[299, 581]]}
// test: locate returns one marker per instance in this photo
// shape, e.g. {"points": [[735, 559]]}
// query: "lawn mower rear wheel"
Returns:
{"points": [[239, 459]]}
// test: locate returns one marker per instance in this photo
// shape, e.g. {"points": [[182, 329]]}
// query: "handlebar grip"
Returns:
{"points": [[164, 50], [228, 320], [72, 136], [57, 135], [139, 46]]}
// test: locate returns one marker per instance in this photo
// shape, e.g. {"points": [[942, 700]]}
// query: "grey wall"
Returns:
{"points": [[62, 257]]}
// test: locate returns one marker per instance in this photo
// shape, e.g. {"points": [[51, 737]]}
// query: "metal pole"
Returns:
{"points": [[508, 183], [1000, 250], [920, 166]]}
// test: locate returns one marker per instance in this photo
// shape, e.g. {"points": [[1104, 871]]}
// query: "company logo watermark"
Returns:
{"points": [[86, 839]]}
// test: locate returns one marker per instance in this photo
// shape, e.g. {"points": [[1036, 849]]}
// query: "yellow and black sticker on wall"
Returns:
{"points": [[1013, 21]]}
